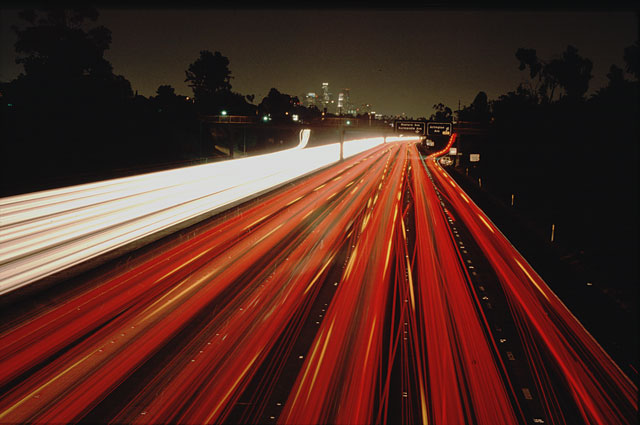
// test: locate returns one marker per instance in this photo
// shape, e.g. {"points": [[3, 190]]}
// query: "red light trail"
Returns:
{"points": [[552, 336], [194, 328]]}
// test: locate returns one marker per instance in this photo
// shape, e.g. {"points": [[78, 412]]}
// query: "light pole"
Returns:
{"points": [[341, 130]]}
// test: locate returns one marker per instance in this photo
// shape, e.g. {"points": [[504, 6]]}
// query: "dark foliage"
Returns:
{"points": [[442, 113], [571, 161]]}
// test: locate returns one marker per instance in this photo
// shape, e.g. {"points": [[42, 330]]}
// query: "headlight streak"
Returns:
{"points": [[46, 232], [201, 329], [161, 407], [166, 315], [225, 238]]}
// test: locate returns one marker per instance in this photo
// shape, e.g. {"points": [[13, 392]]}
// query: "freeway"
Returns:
{"points": [[371, 291]]}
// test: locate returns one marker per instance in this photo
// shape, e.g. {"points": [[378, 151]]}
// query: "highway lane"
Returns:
{"points": [[467, 368], [53, 233], [346, 298], [554, 340], [131, 316]]}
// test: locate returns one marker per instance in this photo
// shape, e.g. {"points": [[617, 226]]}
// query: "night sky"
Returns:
{"points": [[399, 61]]}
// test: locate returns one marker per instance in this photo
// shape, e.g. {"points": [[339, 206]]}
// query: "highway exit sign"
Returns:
{"points": [[439, 129], [416, 127]]}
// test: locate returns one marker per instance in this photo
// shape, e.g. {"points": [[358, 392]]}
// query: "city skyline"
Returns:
{"points": [[401, 61], [340, 103]]}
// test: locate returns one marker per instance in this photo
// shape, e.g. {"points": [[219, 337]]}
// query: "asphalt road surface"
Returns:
{"points": [[373, 291]]}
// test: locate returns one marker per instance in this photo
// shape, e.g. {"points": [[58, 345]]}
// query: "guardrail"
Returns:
{"points": [[47, 232]]}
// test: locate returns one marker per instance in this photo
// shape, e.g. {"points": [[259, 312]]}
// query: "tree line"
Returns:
{"points": [[68, 113], [562, 81], [568, 159]]}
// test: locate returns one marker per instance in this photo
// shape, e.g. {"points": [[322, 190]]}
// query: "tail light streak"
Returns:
{"points": [[243, 284]]}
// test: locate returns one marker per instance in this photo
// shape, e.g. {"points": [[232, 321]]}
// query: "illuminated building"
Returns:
{"points": [[310, 99], [326, 96]]}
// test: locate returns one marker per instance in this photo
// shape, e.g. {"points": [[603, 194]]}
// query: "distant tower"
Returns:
{"points": [[326, 96], [344, 102], [310, 100]]}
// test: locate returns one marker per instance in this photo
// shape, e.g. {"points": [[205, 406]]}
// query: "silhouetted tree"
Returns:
{"points": [[571, 73], [208, 76], [545, 142], [310, 113], [235, 103], [166, 100], [57, 46], [528, 58], [278, 105], [478, 110], [632, 59], [443, 113], [63, 61], [615, 76], [173, 125], [68, 103], [618, 100], [166, 91]]}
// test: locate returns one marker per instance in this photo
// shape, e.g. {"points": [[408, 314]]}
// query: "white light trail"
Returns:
{"points": [[45, 232]]}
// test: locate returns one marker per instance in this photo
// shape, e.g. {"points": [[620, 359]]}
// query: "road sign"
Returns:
{"points": [[416, 127], [474, 157], [439, 129]]}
